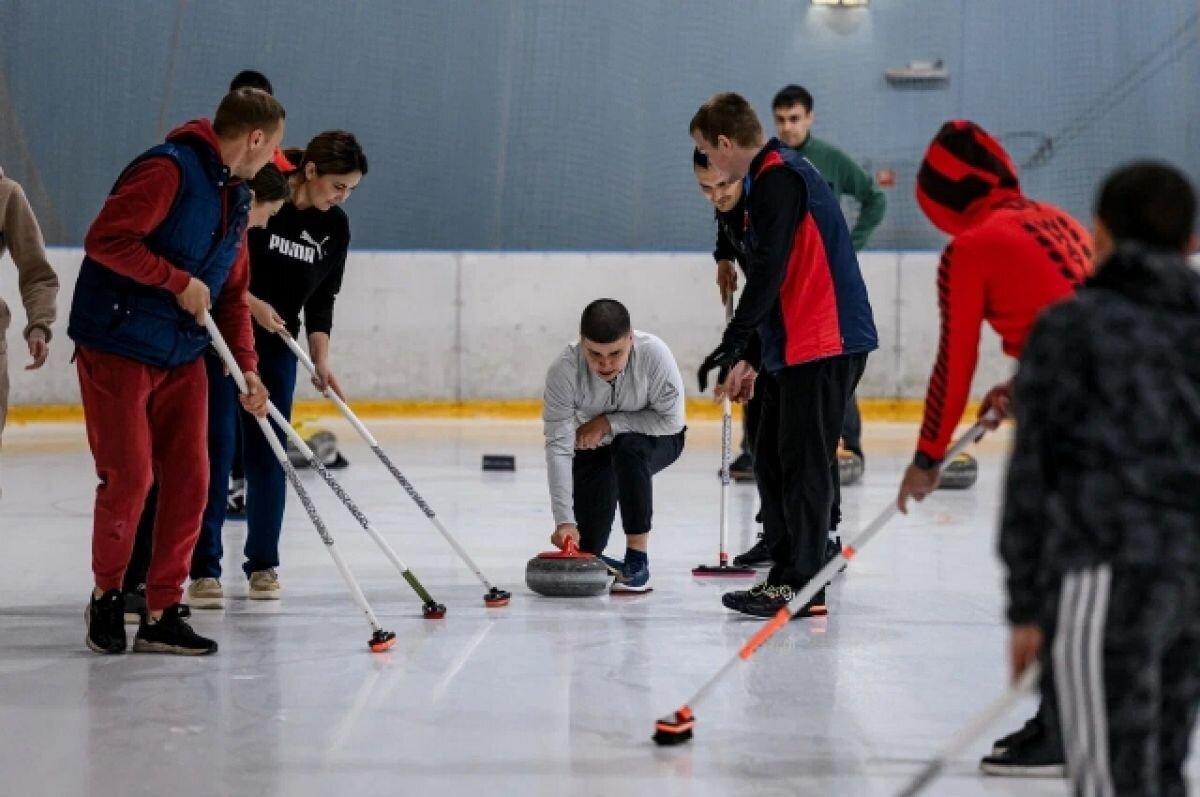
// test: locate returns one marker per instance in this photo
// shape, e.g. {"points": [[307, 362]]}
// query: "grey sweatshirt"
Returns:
{"points": [[647, 398]]}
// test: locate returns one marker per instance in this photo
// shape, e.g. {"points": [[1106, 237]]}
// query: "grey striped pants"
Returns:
{"points": [[1126, 655]]}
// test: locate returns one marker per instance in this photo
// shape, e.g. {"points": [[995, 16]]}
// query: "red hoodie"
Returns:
{"points": [[1010, 258], [141, 201]]}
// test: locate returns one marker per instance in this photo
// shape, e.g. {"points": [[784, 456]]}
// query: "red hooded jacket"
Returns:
{"points": [[1009, 259]]}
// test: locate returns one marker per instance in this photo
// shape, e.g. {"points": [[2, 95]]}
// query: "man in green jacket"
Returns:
{"points": [[793, 109]]}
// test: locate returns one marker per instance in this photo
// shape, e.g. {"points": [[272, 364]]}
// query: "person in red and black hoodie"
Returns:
{"points": [[1100, 531], [170, 238], [1009, 260], [806, 299]]}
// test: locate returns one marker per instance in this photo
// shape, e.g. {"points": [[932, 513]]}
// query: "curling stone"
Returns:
{"points": [[322, 442], [850, 467], [960, 473], [568, 573]]}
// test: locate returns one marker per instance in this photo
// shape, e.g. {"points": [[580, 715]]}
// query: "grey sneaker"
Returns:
{"points": [[206, 593], [264, 585]]}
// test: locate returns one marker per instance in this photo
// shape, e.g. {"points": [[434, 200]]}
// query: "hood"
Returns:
{"points": [[200, 129], [963, 169], [1154, 277]]}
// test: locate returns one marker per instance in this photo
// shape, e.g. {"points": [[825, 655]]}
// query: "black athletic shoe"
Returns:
{"points": [[815, 607], [742, 469], [105, 619], [135, 604], [1030, 729], [833, 547], [172, 634], [757, 556], [765, 600], [1033, 756], [339, 462]]}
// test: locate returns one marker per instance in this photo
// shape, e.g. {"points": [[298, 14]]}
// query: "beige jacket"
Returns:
{"points": [[20, 234]]}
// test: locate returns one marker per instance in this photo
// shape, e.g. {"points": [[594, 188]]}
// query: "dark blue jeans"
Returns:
{"points": [[266, 484], [223, 411]]}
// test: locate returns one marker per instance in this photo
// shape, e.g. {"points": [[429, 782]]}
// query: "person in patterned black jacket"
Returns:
{"points": [[1100, 531]]}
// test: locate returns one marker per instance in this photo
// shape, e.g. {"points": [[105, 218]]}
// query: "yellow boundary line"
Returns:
{"points": [[898, 410]]}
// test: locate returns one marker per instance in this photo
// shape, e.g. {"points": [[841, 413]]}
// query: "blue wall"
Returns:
{"points": [[562, 124]]}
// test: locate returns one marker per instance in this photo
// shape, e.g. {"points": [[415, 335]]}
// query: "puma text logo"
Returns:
{"points": [[292, 249]]}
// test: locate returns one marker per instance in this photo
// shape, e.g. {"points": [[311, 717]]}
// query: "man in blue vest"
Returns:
{"points": [[168, 244], [806, 299]]}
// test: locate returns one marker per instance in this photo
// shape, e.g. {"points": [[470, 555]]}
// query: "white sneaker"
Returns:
{"points": [[264, 585], [206, 593]]}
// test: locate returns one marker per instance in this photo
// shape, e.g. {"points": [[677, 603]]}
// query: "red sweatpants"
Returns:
{"points": [[145, 424]]}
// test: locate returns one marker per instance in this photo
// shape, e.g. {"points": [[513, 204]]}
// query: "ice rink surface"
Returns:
{"points": [[543, 697]]}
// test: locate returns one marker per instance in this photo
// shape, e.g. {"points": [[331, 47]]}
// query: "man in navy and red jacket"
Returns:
{"points": [[806, 298], [169, 240]]}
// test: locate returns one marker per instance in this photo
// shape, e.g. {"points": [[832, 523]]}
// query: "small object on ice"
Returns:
{"points": [[499, 462]]}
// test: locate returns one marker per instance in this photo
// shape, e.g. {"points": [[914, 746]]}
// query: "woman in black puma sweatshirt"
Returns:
{"points": [[296, 266]]}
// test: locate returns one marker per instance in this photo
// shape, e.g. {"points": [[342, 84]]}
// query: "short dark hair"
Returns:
{"points": [[699, 159], [251, 79], [792, 95], [728, 115], [270, 185], [605, 321], [1149, 202], [245, 110]]}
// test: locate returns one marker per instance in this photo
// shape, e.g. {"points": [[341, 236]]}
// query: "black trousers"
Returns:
{"points": [[1126, 652], [620, 473], [795, 463], [139, 562], [752, 412]]}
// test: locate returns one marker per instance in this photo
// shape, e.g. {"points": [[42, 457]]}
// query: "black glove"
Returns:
{"points": [[723, 357]]}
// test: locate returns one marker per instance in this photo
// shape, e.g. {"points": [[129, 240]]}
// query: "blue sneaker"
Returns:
{"points": [[633, 580], [615, 566]]}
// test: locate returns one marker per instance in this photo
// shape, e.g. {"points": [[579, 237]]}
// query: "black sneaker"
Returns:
{"points": [[172, 634], [833, 547], [135, 604], [1033, 756], [759, 555], [1031, 728], [765, 600], [105, 619], [339, 462], [814, 608], [742, 469]]}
